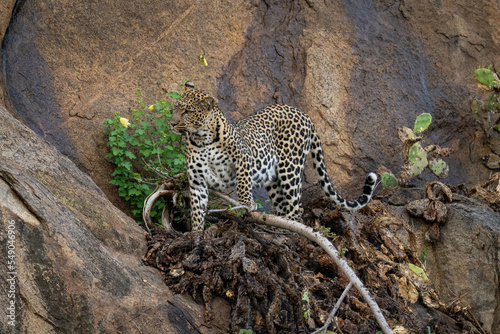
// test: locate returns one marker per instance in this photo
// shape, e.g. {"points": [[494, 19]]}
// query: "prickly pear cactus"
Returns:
{"points": [[410, 133], [388, 181], [417, 158], [439, 168], [422, 122], [487, 77]]}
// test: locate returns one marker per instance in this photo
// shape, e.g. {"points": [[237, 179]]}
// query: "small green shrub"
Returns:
{"points": [[245, 331], [417, 157], [144, 151], [326, 232]]}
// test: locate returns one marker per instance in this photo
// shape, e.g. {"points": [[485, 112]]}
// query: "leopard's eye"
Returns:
{"points": [[187, 111]]}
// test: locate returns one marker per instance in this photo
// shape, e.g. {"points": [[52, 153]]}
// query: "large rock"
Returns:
{"points": [[359, 68], [463, 265], [77, 258], [465, 262], [6, 7]]}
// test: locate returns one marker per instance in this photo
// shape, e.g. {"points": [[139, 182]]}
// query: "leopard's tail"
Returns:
{"points": [[325, 182]]}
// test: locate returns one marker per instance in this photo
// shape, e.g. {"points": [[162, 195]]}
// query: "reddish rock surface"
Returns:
{"points": [[360, 69]]}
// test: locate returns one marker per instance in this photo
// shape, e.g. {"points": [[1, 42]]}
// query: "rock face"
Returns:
{"points": [[464, 264], [77, 258], [359, 68], [466, 261]]}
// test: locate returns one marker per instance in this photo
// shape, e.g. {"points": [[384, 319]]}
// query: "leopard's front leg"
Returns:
{"points": [[244, 182], [198, 193]]}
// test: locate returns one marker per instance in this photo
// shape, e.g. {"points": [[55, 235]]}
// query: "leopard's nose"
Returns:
{"points": [[175, 120]]}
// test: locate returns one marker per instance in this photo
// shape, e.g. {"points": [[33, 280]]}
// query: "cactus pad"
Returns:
{"points": [[422, 122], [439, 168], [417, 158], [388, 181]]}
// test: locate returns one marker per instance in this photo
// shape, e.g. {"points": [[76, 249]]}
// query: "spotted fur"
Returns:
{"points": [[266, 149]]}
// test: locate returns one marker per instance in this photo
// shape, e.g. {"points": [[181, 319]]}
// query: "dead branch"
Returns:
{"points": [[164, 190], [335, 309]]}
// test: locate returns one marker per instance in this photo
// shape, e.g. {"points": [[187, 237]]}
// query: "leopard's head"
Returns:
{"points": [[191, 110]]}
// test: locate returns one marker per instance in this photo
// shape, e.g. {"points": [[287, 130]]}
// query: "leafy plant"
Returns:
{"points": [[245, 331], [259, 203], [342, 251], [144, 151], [326, 231], [417, 157], [490, 81], [306, 305]]}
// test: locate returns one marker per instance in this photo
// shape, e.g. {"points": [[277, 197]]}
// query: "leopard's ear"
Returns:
{"points": [[207, 103], [189, 85]]}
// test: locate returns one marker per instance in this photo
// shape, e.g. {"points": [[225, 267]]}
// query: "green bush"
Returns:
{"points": [[144, 152]]}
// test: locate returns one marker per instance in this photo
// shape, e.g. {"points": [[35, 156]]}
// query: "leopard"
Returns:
{"points": [[266, 149]]}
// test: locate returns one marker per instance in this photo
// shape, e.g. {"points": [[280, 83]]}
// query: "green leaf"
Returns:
{"points": [[127, 165], [116, 151], [130, 155], [411, 134], [498, 127], [412, 152], [174, 95], [419, 271], [389, 181], [486, 77], [245, 331], [422, 122], [134, 192]]}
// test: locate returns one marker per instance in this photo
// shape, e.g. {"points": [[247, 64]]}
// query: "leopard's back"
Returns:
{"points": [[273, 134]]}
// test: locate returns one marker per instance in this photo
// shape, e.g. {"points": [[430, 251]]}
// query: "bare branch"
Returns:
{"points": [[335, 309], [230, 209], [166, 214], [157, 172]]}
